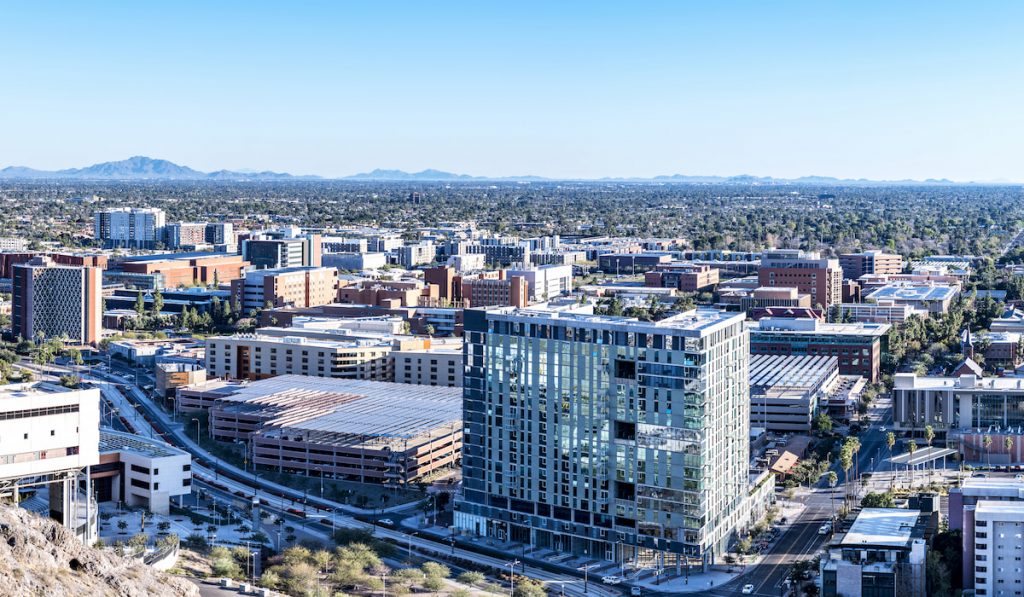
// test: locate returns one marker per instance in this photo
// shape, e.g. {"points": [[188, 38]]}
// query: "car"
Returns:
{"points": [[748, 589], [387, 522], [635, 591], [611, 580], [825, 529], [882, 429]]}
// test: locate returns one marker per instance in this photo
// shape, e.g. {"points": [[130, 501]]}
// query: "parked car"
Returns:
{"points": [[611, 580], [825, 528], [748, 589]]}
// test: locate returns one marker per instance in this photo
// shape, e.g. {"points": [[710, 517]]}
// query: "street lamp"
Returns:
{"points": [[409, 537], [586, 575], [199, 435], [512, 577], [321, 471]]}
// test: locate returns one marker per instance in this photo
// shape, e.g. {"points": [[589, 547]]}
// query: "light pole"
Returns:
{"points": [[512, 577], [321, 471], [586, 576], [409, 553], [199, 434]]}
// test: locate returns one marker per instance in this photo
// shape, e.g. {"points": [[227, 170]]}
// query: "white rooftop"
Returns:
{"points": [[889, 527]]}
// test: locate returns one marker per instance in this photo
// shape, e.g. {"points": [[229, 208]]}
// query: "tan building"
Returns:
{"points": [[51, 301], [171, 376], [855, 265], [683, 276], [257, 356], [774, 297], [500, 292], [293, 287], [441, 366]]}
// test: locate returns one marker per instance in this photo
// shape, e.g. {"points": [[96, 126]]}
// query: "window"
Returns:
{"points": [[140, 469], [140, 484]]}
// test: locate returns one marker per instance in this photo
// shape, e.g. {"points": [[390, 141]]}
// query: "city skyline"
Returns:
{"points": [[874, 92]]}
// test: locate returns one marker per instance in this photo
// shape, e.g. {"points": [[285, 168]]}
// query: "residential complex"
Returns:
{"points": [[54, 301], [440, 366], [257, 356], [284, 287], [989, 512], [129, 227], [545, 282], [591, 435], [855, 265]]}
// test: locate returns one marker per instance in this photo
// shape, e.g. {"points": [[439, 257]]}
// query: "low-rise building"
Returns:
{"points": [[885, 311], [364, 431], [683, 276], [171, 376], [855, 265], [765, 297], [785, 390], [883, 553], [631, 263], [292, 286], [140, 472], [545, 282], [859, 346], [931, 297], [433, 366], [261, 355]]}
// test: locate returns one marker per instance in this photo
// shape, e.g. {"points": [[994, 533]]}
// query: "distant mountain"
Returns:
{"points": [[144, 168], [141, 168]]}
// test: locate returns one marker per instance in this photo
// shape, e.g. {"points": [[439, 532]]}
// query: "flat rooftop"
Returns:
{"points": [[801, 326], [352, 407], [117, 441], [914, 292], [792, 372], [21, 390], [697, 322], [910, 381], [348, 342], [883, 527]]}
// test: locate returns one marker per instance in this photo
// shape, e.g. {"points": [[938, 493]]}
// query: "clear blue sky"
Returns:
{"points": [[879, 90]]}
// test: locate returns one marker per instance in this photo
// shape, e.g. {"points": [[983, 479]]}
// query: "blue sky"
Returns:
{"points": [[879, 90]]}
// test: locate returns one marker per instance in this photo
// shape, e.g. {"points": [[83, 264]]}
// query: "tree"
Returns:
{"points": [[846, 463], [140, 304], [929, 435], [163, 526], [433, 569], [823, 422], [890, 441], [122, 525], [987, 443], [1008, 445], [832, 479], [911, 448], [878, 500], [471, 578], [158, 303]]}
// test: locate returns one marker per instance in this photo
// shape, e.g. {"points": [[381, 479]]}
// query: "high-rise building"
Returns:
{"points": [[808, 272], [855, 265], [607, 436], [185, 234], [220, 233], [989, 513], [545, 282], [291, 286], [274, 250], [57, 300], [130, 227]]}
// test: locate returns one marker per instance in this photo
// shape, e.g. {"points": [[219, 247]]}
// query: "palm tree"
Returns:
{"points": [[1008, 444], [846, 462], [833, 478], [987, 443]]}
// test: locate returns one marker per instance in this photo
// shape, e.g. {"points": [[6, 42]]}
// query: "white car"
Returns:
{"points": [[881, 429], [825, 529], [611, 580], [748, 589], [387, 522]]}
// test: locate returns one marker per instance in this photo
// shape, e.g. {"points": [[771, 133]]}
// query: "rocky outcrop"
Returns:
{"points": [[40, 557]]}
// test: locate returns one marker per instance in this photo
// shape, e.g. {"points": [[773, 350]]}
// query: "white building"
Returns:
{"points": [[547, 281], [130, 227], [149, 472], [48, 431], [998, 548], [11, 243], [467, 262], [886, 311]]}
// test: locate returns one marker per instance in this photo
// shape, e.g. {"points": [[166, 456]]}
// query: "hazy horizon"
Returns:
{"points": [[871, 90]]}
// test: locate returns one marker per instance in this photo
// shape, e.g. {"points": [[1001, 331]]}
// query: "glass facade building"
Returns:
{"points": [[606, 436]]}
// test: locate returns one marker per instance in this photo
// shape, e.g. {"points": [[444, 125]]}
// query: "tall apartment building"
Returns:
{"points": [[808, 272], [219, 233], [855, 265], [275, 250], [291, 286], [185, 234], [607, 436], [57, 300], [421, 253], [129, 227], [49, 430], [990, 514], [546, 282]]}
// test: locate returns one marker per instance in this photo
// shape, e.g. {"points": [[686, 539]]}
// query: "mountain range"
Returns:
{"points": [[145, 168]]}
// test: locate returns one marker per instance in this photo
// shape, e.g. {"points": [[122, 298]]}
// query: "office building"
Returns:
{"points": [[362, 431], [129, 227], [683, 276], [785, 391], [501, 292], [808, 272], [444, 278], [595, 436], [355, 262], [855, 265], [859, 346], [930, 298], [762, 298], [49, 435], [52, 301], [284, 287], [140, 472], [10, 243], [171, 376], [545, 282], [220, 233], [410, 256], [175, 270], [276, 250], [631, 264], [883, 553], [885, 311], [965, 409]]}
